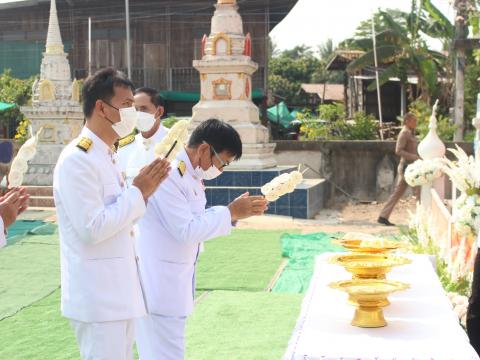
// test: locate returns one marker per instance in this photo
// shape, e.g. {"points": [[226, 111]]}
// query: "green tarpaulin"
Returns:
{"points": [[195, 97], [301, 251], [280, 114], [6, 106]]}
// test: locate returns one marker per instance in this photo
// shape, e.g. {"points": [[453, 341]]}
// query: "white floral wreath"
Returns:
{"points": [[423, 172]]}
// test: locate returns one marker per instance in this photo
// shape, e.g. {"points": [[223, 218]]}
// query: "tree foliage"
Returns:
{"points": [[402, 48], [291, 68], [13, 91], [332, 124]]}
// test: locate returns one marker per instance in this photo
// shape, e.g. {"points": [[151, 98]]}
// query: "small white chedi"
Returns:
{"points": [[55, 106], [431, 147], [226, 70]]}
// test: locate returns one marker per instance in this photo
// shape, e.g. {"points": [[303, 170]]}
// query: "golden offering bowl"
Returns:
{"points": [[370, 296], [368, 266], [371, 247]]}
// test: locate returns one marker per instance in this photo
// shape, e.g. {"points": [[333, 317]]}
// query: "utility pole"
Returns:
{"points": [[460, 34], [89, 46], [377, 78], [129, 58]]}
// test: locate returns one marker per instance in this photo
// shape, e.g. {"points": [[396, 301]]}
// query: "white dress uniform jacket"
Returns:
{"points": [[3, 237], [169, 237], [96, 214], [139, 153]]}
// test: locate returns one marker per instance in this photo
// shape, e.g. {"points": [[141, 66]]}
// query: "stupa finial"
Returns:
{"points": [[54, 38]]}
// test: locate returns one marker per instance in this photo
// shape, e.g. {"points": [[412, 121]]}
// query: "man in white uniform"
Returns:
{"points": [[135, 151], [12, 204], [101, 289], [170, 234]]}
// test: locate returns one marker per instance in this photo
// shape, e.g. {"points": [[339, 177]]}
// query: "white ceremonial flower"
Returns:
{"points": [[291, 186], [28, 150], [20, 164], [467, 219], [296, 176], [422, 172], [15, 178], [459, 311], [271, 197], [281, 185], [458, 299], [179, 134]]}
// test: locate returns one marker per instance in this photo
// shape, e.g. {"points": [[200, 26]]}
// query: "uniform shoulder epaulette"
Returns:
{"points": [[85, 144], [126, 140], [181, 168]]}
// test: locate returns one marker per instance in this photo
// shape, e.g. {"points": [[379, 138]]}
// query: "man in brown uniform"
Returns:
{"points": [[406, 148]]}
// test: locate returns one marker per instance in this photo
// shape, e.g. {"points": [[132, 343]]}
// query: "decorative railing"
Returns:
{"points": [[436, 223], [456, 250]]}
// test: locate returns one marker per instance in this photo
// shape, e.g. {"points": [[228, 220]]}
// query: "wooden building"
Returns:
{"points": [[319, 94], [356, 96], [165, 36]]}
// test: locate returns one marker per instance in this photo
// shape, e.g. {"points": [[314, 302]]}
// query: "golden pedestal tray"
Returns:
{"points": [[370, 296], [371, 247], [368, 266]]}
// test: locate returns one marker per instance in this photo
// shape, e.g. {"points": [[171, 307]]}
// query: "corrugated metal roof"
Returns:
{"points": [[342, 58], [333, 92]]}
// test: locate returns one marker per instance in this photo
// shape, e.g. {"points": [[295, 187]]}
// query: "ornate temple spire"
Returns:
{"points": [[54, 38], [55, 79]]}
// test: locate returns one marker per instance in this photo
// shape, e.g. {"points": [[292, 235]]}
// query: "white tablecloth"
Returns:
{"points": [[421, 324]]}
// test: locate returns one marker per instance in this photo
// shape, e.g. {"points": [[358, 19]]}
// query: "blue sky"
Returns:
{"points": [[311, 22]]}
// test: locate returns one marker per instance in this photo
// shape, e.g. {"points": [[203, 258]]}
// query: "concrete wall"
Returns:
{"points": [[366, 170]]}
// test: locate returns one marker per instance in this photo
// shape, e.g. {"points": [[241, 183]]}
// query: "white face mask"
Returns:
{"points": [[128, 120], [211, 173], [145, 121]]}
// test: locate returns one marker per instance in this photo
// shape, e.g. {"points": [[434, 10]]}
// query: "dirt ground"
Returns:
{"points": [[350, 217]]}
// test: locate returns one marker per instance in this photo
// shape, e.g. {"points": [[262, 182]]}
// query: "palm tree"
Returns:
{"points": [[326, 50], [402, 48]]}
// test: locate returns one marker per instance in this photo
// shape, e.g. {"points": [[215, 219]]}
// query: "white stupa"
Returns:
{"points": [[226, 70], [55, 106]]}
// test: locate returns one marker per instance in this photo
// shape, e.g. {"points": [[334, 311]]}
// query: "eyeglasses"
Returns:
{"points": [[223, 163], [118, 109], [105, 102]]}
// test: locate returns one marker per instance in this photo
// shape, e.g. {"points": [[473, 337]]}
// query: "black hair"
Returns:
{"points": [[218, 134], [155, 97], [100, 86]]}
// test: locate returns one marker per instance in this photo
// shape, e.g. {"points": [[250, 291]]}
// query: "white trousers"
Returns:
{"points": [[112, 340], [160, 337]]}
